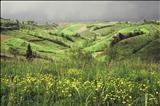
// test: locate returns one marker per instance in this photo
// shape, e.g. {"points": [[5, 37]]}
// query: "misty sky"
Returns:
{"points": [[43, 11]]}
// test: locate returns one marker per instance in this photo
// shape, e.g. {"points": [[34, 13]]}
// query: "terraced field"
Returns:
{"points": [[80, 64], [94, 38]]}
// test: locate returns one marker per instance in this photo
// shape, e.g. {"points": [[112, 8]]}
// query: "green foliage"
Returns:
{"points": [[80, 58], [129, 82], [75, 64], [29, 54], [130, 38], [72, 29], [14, 51], [7, 24]]}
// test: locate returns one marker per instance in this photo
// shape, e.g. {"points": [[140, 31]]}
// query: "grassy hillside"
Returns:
{"points": [[80, 64], [90, 37]]}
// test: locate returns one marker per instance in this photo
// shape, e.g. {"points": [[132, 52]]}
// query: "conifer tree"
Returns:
{"points": [[29, 52]]}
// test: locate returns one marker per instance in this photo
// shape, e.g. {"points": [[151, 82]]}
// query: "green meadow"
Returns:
{"points": [[80, 63]]}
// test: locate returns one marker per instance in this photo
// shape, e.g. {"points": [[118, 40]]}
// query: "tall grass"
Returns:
{"points": [[79, 83]]}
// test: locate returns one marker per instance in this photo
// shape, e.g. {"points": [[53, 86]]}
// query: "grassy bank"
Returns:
{"points": [[124, 83]]}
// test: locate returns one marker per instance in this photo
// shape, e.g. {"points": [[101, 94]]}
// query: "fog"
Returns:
{"points": [[64, 11]]}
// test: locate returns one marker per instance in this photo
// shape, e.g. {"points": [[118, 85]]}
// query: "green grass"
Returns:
{"points": [[99, 44], [89, 40], [90, 72], [51, 83], [72, 29]]}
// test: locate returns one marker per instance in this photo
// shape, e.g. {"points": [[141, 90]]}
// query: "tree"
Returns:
{"points": [[121, 36], [29, 52], [18, 24], [62, 34], [30, 22], [77, 35]]}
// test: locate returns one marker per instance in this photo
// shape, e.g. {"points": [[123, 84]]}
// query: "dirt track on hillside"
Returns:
{"points": [[4, 37]]}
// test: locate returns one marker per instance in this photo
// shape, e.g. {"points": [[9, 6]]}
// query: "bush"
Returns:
{"points": [[14, 51], [81, 57], [121, 36]]}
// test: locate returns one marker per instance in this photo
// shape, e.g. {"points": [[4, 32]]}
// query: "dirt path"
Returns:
{"points": [[82, 29], [4, 37]]}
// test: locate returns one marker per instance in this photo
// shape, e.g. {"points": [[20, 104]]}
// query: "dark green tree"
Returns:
{"points": [[29, 55], [18, 24]]}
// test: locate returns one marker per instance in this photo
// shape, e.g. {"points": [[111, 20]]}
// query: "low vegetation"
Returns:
{"points": [[80, 64]]}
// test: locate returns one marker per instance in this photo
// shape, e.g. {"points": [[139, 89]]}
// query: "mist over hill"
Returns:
{"points": [[70, 11]]}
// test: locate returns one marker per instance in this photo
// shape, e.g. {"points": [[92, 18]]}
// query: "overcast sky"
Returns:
{"points": [[81, 10]]}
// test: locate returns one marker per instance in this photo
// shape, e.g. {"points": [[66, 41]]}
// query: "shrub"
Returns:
{"points": [[81, 57], [14, 51]]}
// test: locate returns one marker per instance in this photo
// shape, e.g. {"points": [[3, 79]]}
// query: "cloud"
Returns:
{"points": [[80, 10]]}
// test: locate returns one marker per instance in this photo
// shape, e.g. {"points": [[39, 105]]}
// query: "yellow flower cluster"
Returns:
{"points": [[74, 72], [99, 91]]}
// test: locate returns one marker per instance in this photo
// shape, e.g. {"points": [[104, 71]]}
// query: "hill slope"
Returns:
{"points": [[103, 40]]}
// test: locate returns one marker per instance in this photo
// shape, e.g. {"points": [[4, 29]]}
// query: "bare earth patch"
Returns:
{"points": [[4, 37], [82, 29]]}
